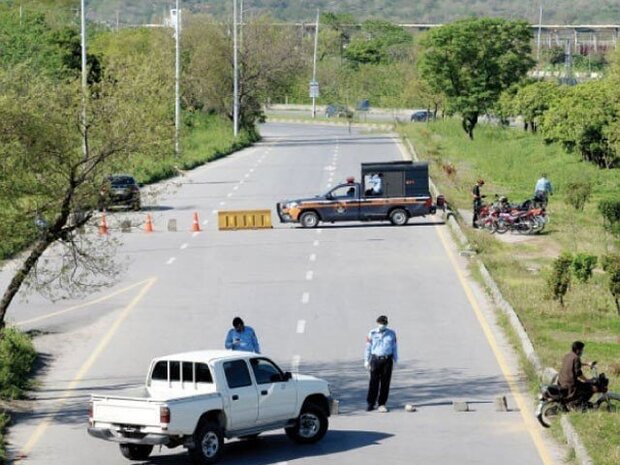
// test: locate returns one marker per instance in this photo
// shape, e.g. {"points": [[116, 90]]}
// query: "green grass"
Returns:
{"points": [[511, 161]]}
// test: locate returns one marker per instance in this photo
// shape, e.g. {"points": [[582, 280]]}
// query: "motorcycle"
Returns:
{"points": [[553, 402], [523, 218]]}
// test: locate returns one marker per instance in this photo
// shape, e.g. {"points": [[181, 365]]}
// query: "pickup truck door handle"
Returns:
{"points": [[235, 397], [263, 393]]}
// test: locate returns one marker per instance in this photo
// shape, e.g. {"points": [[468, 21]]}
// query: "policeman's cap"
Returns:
{"points": [[382, 320]]}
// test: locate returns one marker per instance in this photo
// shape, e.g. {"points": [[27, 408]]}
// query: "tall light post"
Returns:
{"points": [[84, 76], [235, 73], [314, 87], [177, 81]]}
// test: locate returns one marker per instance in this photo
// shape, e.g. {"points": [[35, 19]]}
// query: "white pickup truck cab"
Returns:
{"points": [[196, 399]]}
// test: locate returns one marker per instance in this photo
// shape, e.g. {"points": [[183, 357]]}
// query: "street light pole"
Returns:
{"points": [[236, 73], [177, 82], [84, 77], [316, 45]]}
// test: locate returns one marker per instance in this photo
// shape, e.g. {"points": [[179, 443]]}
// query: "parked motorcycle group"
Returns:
{"points": [[501, 216]]}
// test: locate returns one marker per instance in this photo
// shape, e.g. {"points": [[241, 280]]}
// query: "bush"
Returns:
{"points": [[17, 355], [611, 264], [559, 279], [582, 266], [610, 209], [577, 194]]}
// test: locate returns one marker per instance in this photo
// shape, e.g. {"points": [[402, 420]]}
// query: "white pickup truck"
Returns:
{"points": [[196, 399]]}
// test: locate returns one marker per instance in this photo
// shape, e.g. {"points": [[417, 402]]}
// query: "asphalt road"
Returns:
{"points": [[311, 295]]}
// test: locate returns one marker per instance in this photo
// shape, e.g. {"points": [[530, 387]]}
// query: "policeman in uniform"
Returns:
{"points": [[241, 337], [477, 201], [380, 355]]}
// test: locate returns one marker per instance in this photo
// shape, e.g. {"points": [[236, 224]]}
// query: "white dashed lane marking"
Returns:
{"points": [[229, 195], [184, 246], [309, 275], [214, 212], [205, 221], [319, 231], [316, 243], [301, 326], [222, 203], [170, 261], [305, 298], [247, 175], [195, 233], [329, 184], [312, 257], [235, 188]]}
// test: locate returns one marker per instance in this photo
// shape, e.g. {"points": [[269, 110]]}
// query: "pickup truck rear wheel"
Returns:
{"points": [[208, 441], [310, 427], [399, 217], [136, 451], [309, 219]]}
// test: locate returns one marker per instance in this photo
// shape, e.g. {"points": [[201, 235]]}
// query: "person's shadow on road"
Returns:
{"points": [[275, 448]]}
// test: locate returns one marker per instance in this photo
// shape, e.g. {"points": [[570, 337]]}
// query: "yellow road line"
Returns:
{"points": [[526, 413], [80, 306], [87, 365]]}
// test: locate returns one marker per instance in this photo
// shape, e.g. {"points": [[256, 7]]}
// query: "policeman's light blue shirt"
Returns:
{"points": [[381, 343], [544, 185], [245, 340]]}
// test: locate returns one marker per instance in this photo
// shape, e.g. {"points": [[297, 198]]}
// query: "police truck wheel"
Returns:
{"points": [[136, 451], [309, 219], [310, 427], [208, 444], [399, 217]]}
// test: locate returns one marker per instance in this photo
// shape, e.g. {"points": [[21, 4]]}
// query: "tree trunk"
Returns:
{"points": [[469, 123], [21, 275]]}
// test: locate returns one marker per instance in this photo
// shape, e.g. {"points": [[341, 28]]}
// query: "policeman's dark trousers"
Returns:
{"points": [[380, 376]]}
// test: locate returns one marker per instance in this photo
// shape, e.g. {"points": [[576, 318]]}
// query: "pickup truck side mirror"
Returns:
{"points": [[329, 196], [287, 375]]}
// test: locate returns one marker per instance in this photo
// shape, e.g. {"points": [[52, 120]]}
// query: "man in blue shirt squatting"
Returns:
{"points": [[379, 357], [241, 337]]}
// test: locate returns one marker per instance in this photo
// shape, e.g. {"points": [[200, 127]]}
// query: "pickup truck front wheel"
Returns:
{"points": [[399, 217], [310, 427], [136, 451], [309, 219], [208, 441]]}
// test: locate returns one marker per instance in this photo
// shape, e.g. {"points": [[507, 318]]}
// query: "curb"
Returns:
{"points": [[571, 436], [388, 127]]}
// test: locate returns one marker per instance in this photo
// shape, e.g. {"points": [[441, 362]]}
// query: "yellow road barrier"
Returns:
{"points": [[244, 219]]}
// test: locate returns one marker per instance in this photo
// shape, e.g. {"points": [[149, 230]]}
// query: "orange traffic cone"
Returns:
{"points": [[196, 223], [148, 227], [103, 226]]}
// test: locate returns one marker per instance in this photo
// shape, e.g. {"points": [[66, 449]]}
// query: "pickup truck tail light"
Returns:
{"points": [[429, 202], [164, 416]]}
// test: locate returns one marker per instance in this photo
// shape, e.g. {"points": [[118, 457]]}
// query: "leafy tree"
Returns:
{"points": [[473, 61], [533, 100], [46, 178], [379, 41], [269, 61], [586, 119]]}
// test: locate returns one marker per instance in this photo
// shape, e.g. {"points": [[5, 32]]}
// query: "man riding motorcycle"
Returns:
{"points": [[576, 388]]}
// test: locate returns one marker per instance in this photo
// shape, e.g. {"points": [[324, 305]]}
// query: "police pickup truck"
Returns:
{"points": [[394, 191], [196, 399]]}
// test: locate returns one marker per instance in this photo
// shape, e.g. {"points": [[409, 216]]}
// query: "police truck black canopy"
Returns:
{"points": [[400, 178]]}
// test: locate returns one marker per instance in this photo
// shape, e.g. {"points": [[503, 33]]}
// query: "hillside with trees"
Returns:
{"points": [[401, 11]]}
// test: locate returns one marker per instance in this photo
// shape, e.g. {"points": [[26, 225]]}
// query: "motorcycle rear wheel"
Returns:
{"points": [[500, 227], [610, 403], [549, 414]]}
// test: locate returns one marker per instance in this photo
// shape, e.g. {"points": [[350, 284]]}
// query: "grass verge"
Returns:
{"points": [[510, 161], [17, 356]]}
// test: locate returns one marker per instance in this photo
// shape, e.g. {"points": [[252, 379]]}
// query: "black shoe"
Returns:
{"points": [[370, 408]]}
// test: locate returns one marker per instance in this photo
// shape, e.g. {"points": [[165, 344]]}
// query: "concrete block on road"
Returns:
{"points": [[410, 408], [460, 406], [501, 404], [126, 226], [172, 225]]}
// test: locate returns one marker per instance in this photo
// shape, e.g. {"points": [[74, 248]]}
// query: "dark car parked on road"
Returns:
{"points": [[120, 190], [338, 110], [421, 115]]}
